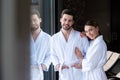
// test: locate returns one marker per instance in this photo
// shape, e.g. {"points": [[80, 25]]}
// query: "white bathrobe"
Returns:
{"points": [[63, 52], [92, 65], [40, 54]]}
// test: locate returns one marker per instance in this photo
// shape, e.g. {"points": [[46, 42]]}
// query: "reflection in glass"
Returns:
{"points": [[34, 1], [39, 47]]}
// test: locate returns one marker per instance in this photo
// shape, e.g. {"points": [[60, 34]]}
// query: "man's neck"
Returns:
{"points": [[66, 33], [35, 33]]}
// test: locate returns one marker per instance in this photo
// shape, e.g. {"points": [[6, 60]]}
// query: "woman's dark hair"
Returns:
{"points": [[93, 23]]}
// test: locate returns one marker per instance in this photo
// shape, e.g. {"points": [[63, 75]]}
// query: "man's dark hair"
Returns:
{"points": [[35, 11], [69, 12]]}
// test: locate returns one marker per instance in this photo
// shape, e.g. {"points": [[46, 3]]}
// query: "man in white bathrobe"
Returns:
{"points": [[39, 46], [63, 48]]}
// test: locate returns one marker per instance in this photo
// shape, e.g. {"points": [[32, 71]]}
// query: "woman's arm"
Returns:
{"points": [[78, 54]]}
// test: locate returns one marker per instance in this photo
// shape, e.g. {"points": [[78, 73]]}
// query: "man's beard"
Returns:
{"points": [[67, 28], [34, 29]]}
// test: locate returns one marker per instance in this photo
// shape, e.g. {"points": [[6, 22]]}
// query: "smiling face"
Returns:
{"points": [[35, 22], [91, 31], [67, 21]]}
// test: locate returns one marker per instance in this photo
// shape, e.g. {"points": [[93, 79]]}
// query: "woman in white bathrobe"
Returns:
{"points": [[93, 62]]}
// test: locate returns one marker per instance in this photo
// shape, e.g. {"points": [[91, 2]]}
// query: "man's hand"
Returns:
{"points": [[77, 65], [43, 67], [57, 67], [78, 53], [82, 34], [65, 67]]}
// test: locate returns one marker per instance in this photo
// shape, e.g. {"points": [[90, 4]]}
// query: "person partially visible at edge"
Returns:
{"points": [[63, 48], [92, 64], [39, 47]]}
